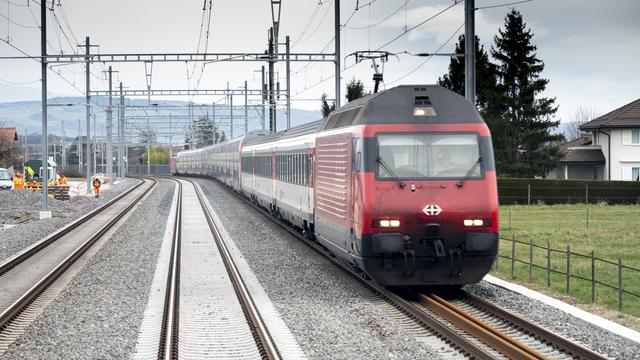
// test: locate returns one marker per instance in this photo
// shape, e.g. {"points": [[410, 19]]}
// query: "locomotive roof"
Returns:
{"points": [[396, 106]]}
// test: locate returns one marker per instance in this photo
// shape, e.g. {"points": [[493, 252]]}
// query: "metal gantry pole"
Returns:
{"points": [[470, 51], [79, 146], [121, 135], [45, 145], [64, 152], [272, 102], [287, 44], [231, 114], [264, 98], [88, 104], [246, 109], [337, 43], [109, 160]]}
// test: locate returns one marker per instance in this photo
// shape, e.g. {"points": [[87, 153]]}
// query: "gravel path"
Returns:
{"points": [[558, 321], [329, 313], [26, 205], [97, 316]]}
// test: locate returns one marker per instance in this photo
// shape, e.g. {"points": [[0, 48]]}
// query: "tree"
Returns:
{"points": [[159, 156], [525, 145], [581, 116], [355, 90], [202, 132], [487, 93], [326, 109]]}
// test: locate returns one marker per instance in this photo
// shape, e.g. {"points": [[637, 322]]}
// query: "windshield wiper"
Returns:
{"points": [[388, 169], [468, 175]]}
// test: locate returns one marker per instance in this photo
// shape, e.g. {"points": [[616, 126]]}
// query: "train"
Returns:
{"points": [[401, 184]]}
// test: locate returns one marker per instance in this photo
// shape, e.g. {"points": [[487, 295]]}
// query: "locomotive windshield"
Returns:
{"points": [[428, 156]]}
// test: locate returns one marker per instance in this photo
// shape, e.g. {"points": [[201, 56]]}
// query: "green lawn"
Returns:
{"points": [[611, 232]]}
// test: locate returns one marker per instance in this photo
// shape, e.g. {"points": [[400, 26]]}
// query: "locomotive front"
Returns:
{"points": [[425, 206]]}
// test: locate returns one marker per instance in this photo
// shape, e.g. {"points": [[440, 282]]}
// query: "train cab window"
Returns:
{"points": [[428, 156]]}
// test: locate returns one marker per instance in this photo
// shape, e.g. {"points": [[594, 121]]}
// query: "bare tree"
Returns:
{"points": [[581, 116]]}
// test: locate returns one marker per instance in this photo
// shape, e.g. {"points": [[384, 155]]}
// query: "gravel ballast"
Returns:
{"points": [[98, 315], [330, 314], [558, 321], [25, 205]]}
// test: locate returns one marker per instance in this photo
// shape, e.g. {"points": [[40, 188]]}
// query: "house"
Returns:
{"points": [[582, 160], [8, 138], [611, 150]]}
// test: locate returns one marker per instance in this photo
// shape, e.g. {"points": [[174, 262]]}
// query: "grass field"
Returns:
{"points": [[611, 232]]}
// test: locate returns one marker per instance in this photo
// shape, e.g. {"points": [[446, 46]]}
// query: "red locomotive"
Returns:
{"points": [[401, 183]]}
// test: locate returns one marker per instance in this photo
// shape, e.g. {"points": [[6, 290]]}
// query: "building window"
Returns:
{"points": [[635, 136], [635, 174]]}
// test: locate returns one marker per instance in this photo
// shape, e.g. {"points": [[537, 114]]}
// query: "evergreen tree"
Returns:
{"points": [[202, 132], [522, 135], [325, 107], [487, 94], [355, 90]]}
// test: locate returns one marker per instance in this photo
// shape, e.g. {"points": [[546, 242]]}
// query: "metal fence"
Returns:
{"points": [[531, 194], [571, 265]]}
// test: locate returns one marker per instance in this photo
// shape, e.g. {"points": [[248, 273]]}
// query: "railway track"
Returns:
{"points": [[29, 278], [470, 324], [204, 286]]}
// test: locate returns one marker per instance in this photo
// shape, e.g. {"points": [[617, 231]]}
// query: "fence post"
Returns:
{"points": [[568, 268], [593, 276], [620, 289], [528, 194], [548, 264], [586, 194], [587, 216], [509, 218], [530, 258], [513, 255]]}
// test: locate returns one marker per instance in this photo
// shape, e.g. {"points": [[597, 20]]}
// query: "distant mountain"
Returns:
{"points": [[26, 115]]}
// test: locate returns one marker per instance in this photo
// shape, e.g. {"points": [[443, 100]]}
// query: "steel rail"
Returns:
{"points": [[168, 347], [28, 297], [46, 241], [407, 307], [427, 320], [504, 344], [265, 343], [538, 332]]}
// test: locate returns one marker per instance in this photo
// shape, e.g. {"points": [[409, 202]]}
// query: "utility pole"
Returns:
{"points": [[287, 44], [264, 98], [470, 51], [64, 150], [121, 135], [109, 129], [45, 145], [272, 102], [246, 109], [95, 145], [213, 120], [170, 138], [79, 146], [87, 63], [231, 114], [337, 43]]}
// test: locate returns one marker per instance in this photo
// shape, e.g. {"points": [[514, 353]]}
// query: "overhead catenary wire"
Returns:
{"points": [[379, 21], [456, 2], [428, 58]]}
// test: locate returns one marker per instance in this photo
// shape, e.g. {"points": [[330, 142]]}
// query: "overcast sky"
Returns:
{"points": [[591, 49]]}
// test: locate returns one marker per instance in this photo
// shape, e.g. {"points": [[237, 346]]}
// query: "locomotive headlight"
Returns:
{"points": [[473, 222], [424, 111], [387, 223]]}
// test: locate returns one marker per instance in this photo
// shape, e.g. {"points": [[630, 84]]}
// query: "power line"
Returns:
{"points": [[428, 58], [501, 5], [456, 2], [309, 22], [319, 23], [381, 21], [17, 23]]}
